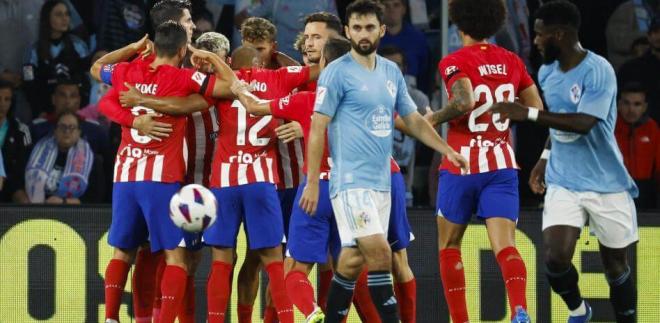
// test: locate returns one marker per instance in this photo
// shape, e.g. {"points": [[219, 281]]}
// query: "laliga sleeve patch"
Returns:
{"points": [[320, 95]]}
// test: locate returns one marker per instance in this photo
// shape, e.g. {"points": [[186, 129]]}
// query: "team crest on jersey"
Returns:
{"points": [[198, 78], [391, 88], [576, 93], [294, 69], [380, 122]]}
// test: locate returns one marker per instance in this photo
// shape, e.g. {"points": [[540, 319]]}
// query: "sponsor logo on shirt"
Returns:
{"points": [[379, 122]]}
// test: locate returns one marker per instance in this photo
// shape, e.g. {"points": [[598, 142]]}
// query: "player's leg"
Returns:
{"points": [[365, 229], [127, 231], [186, 312], [499, 206], [349, 265], [222, 237], [613, 218], [158, 296], [325, 278], [248, 281], [455, 204], [563, 218], [399, 236], [144, 282], [265, 230]]}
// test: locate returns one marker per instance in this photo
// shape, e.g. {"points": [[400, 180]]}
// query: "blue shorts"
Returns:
{"points": [[287, 197], [311, 237], [489, 195], [398, 233], [141, 213], [256, 206]]}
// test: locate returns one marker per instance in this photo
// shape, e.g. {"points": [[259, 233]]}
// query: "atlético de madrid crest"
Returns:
{"points": [[576, 93]]}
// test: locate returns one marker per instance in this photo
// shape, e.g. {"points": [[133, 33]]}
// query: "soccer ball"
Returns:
{"points": [[193, 208]]}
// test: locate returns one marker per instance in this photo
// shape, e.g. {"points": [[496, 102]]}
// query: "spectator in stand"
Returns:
{"points": [[646, 69], [15, 142], [287, 16], [60, 168], [120, 22], [97, 91], [640, 46], [628, 22], [638, 137], [402, 34], [57, 54], [66, 98], [203, 20]]}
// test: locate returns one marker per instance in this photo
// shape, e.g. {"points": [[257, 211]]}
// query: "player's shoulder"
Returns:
{"points": [[336, 68], [546, 70], [596, 71], [596, 62]]}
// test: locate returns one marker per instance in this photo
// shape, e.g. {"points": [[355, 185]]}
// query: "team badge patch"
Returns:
{"points": [[576, 93], [391, 88]]}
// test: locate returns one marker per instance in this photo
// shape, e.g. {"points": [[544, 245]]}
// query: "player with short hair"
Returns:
{"points": [[585, 174], [357, 96], [311, 238], [148, 171], [475, 77], [175, 10]]}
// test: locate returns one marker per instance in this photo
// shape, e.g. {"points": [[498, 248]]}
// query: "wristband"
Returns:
{"points": [[545, 154], [532, 114]]}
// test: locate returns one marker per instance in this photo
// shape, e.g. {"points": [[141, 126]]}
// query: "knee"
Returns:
{"points": [[557, 260], [615, 268], [125, 255], [379, 258]]}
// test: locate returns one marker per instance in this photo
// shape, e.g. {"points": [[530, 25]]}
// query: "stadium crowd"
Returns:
{"points": [[49, 46]]}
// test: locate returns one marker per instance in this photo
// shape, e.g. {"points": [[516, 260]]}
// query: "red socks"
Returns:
{"points": [[406, 295], [325, 278], [173, 288], [144, 284], [218, 291], [244, 313], [515, 277], [270, 315], [278, 293], [300, 291], [157, 294], [362, 300], [453, 282], [115, 280], [187, 308]]}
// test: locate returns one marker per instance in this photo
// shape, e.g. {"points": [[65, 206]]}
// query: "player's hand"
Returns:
{"points": [[289, 132], [144, 46], [54, 200], [72, 201], [537, 177], [459, 161], [200, 58], [310, 197], [509, 110], [428, 115], [131, 97], [239, 86], [151, 128]]}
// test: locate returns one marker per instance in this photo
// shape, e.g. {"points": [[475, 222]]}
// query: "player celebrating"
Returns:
{"points": [[585, 173], [153, 170], [357, 95], [476, 76], [310, 238]]}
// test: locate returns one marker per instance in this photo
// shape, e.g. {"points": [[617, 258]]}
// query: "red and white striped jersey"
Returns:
{"points": [[139, 157], [246, 147], [201, 133], [497, 75]]}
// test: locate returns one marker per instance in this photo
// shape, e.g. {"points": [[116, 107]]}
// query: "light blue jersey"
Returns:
{"points": [[361, 104], [590, 162]]}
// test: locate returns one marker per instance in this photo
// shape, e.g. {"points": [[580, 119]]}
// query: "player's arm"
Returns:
{"points": [[400, 125], [573, 122], [145, 124], [419, 128], [169, 105], [224, 76], [462, 101], [282, 60], [537, 176], [252, 104], [120, 55], [315, 147]]}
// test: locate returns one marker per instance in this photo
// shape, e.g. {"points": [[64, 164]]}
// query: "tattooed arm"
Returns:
{"points": [[461, 102]]}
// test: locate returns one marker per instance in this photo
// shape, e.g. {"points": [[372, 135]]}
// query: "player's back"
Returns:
{"points": [[496, 75], [141, 158]]}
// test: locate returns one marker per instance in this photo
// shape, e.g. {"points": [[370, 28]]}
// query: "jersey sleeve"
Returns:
{"points": [[295, 107], [404, 103], [109, 106], [198, 82], [292, 77], [450, 70], [329, 91], [598, 92]]}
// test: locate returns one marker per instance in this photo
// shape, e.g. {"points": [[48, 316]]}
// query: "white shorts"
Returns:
{"points": [[360, 213], [612, 216]]}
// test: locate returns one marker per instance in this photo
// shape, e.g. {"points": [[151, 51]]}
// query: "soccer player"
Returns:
{"points": [[476, 76], [148, 172], [585, 174], [357, 96], [310, 237]]}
